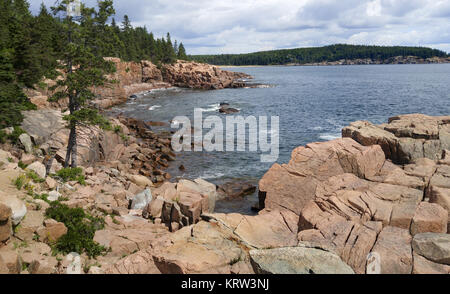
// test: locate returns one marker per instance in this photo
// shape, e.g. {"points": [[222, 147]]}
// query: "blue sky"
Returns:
{"points": [[241, 26]]}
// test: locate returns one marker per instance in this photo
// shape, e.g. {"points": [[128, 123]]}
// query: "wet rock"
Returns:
{"points": [[297, 260], [236, 189], [228, 110]]}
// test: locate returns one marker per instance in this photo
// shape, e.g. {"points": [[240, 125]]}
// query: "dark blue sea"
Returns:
{"points": [[313, 104]]}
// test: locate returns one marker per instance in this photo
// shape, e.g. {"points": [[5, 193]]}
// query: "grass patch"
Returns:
{"points": [[22, 165], [20, 182], [117, 129], [72, 174], [34, 176], [81, 230]]}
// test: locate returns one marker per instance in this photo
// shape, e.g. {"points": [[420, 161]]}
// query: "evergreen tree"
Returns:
{"points": [[182, 52], [84, 69]]}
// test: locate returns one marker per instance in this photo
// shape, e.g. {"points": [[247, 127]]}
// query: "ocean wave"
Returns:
{"points": [[154, 107], [330, 137], [211, 108], [212, 175]]}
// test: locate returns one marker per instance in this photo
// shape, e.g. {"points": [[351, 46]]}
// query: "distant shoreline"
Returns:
{"points": [[342, 63]]}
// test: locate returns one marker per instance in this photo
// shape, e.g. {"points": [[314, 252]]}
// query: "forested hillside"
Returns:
{"points": [[30, 46], [318, 54]]}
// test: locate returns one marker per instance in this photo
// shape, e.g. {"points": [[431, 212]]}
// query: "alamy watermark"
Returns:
{"points": [[190, 137]]}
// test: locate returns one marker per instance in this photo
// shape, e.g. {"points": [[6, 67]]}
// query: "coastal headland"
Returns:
{"points": [[381, 191]]}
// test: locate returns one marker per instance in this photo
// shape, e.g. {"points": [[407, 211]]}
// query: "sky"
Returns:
{"points": [[243, 26]]}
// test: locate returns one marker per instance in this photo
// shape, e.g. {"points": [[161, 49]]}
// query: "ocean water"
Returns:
{"points": [[313, 105]]}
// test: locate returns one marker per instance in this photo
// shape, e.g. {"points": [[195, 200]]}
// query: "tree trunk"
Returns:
{"points": [[74, 149], [69, 146]]}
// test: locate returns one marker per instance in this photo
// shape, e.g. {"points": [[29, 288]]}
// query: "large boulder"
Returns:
{"points": [[394, 248], [38, 168], [18, 208], [297, 260], [52, 231], [200, 76], [5, 222], [406, 137], [202, 248], [433, 246], [268, 230], [291, 186], [29, 225], [25, 139], [429, 217], [141, 200]]}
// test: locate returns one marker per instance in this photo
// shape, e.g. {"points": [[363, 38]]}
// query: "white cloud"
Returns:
{"points": [[239, 26]]}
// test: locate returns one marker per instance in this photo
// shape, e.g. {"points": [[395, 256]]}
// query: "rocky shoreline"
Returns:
{"points": [[370, 61], [375, 201]]}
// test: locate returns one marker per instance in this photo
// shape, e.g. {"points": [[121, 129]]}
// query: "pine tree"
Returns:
{"points": [[84, 69], [45, 41], [182, 52]]}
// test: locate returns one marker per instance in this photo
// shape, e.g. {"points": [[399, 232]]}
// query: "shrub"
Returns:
{"points": [[14, 137], [72, 174], [22, 165], [34, 176], [81, 228], [3, 136], [117, 129], [20, 182]]}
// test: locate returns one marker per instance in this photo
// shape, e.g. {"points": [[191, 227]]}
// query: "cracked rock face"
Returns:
{"points": [[406, 137], [352, 201]]}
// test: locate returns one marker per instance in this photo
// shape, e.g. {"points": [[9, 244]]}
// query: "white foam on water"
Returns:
{"points": [[155, 107], [330, 137], [212, 175], [211, 108]]}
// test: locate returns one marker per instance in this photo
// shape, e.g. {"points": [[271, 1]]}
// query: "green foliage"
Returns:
{"points": [[71, 174], [3, 137], [14, 136], [117, 129], [182, 52], [318, 54], [43, 197], [81, 228], [22, 165], [30, 47], [20, 182], [34, 176]]}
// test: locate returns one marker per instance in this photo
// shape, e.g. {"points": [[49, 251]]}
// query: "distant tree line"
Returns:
{"points": [[318, 54], [31, 45]]}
